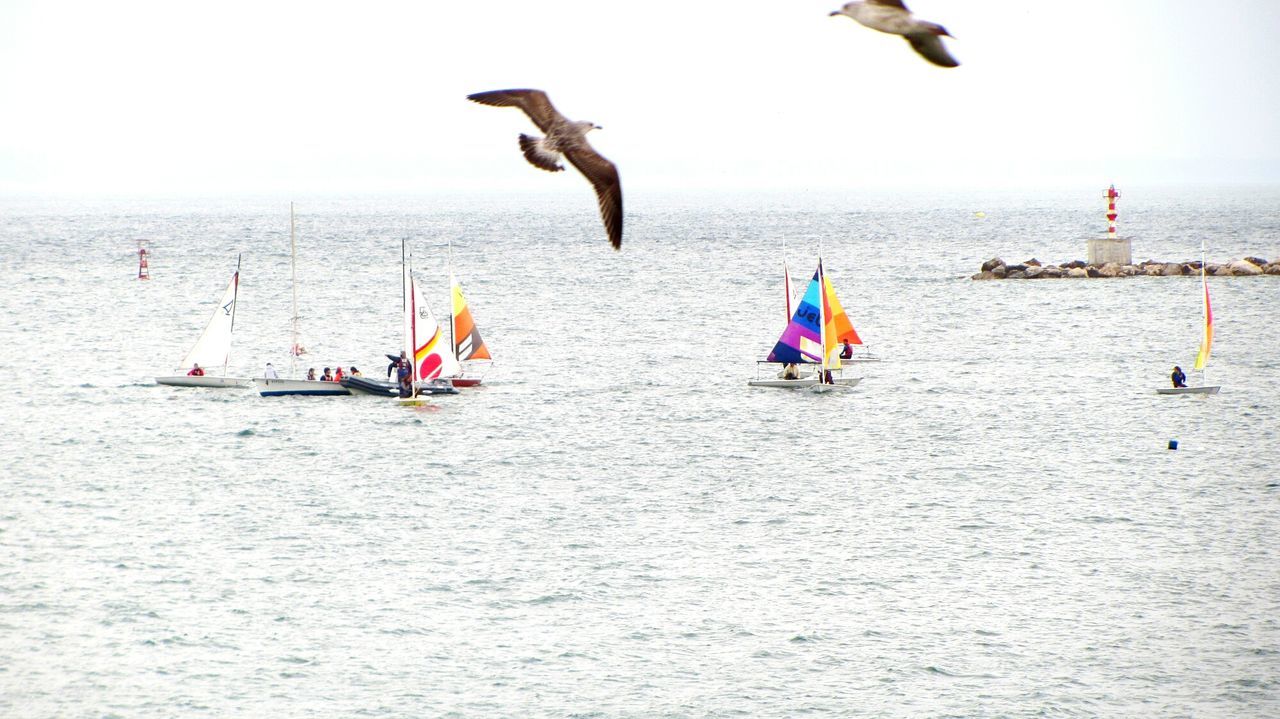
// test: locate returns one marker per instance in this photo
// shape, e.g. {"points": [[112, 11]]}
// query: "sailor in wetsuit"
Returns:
{"points": [[1179, 379]]}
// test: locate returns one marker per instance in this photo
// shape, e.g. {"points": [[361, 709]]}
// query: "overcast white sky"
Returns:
{"points": [[248, 97]]}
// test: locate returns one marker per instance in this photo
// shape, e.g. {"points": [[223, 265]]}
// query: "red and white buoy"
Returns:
{"points": [[144, 269], [1112, 195]]}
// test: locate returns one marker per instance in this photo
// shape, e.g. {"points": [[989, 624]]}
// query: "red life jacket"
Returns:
{"points": [[195, 372]]}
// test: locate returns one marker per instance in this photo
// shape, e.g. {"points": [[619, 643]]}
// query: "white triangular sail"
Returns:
{"points": [[213, 348], [432, 356]]}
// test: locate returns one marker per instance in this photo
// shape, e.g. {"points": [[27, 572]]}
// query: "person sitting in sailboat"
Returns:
{"points": [[846, 349], [196, 371], [790, 371], [1179, 379]]}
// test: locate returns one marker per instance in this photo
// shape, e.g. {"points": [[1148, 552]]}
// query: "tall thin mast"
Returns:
{"points": [[1204, 336], [453, 344], [293, 269], [822, 323], [235, 300]]}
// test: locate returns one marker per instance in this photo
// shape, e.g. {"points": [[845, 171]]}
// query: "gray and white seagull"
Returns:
{"points": [[569, 138], [893, 17]]}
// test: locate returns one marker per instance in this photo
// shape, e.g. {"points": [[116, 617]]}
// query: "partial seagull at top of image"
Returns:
{"points": [[568, 138], [893, 17]]}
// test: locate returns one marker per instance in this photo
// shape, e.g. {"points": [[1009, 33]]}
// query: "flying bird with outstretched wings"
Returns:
{"points": [[893, 17], [568, 138]]}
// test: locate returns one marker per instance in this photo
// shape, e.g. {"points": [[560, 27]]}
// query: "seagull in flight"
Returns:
{"points": [[568, 138], [893, 17]]}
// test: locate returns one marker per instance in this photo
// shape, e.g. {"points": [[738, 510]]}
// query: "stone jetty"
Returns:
{"points": [[996, 269]]}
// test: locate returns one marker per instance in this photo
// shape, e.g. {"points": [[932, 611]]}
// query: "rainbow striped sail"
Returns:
{"points": [[801, 341], [804, 338]]}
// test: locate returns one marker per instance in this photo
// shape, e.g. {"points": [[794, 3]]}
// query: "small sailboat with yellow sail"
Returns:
{"points": [[1206, 342], [470, 353], [815, 330]]}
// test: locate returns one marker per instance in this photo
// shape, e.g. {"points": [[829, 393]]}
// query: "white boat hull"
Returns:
{"points": [[1203, 389], [801, 383], [184, 380], [306, 387]]}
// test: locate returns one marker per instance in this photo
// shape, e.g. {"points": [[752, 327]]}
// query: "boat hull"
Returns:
{"points": [[363, 385], [204, 381], [304, 387], [801, 383], [1203, 389], [465, 381]]}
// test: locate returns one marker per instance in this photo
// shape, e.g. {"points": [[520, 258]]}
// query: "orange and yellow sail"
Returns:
{"points": [[467, 344]]}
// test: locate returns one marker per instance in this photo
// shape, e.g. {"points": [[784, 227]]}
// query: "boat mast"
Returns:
{"points": [[1204, 300], [235, 300], [293, 271], [452, 317], [822, 323]]}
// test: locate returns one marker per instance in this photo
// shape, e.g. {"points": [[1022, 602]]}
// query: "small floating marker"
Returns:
{"points": [[1173, 444], [979, 214]]}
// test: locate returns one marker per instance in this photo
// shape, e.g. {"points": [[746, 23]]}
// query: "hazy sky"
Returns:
{"points": [[248, 97]]}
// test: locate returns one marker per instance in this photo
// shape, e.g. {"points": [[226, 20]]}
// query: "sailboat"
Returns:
{"points": [[1206, 342], [212, 349], [278, 387], [467, 345], [811, 336], [432, 362]]}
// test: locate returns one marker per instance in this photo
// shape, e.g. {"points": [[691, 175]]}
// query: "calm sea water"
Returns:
{"points": [[615, 525]]}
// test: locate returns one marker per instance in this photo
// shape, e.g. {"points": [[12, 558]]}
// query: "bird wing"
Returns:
{"points": [[931, 48], [534, 103], [889, 3], [603, 176]]}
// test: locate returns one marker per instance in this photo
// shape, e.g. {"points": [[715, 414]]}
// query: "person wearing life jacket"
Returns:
{"points": [[846, 350], [337, 374], [196, 371], [327, 376], [1179, 379]]}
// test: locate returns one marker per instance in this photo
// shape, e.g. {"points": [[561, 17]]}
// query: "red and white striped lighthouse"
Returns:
{"points": [[1112, 195]]}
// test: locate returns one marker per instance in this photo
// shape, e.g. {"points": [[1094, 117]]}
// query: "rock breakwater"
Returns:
{"points": [[996, 269]]}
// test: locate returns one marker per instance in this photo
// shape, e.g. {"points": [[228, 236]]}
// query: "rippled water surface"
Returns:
{"points": [[616, 525]]}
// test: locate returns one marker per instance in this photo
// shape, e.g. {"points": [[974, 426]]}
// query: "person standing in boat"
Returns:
{"points": [[270, 372], [404, 376], [195, 370], [1179, 379]]}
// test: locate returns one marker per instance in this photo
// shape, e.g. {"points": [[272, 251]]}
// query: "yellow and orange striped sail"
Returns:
{"points": [[467, 344], [1206, 342], [839, 325]]}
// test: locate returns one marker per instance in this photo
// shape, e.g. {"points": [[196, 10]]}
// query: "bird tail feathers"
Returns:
{"points": [[538, 156]]}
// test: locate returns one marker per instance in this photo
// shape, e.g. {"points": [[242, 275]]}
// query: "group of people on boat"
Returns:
{"points": [[329, 374]]}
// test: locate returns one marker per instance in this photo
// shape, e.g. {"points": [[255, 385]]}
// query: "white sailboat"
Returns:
{"points": [[431, 362], [276, 386], [1206, 342], [212, 350]]}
